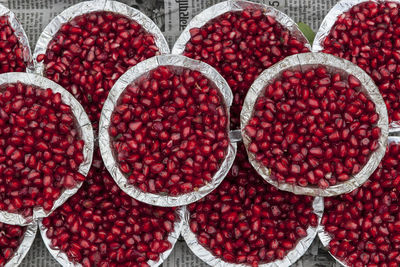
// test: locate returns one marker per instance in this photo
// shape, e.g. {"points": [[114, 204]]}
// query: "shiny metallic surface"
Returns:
{"points": [[119, 87], [62, 257], [303, 244], [302, 62], [83, 124], [91, 6]]}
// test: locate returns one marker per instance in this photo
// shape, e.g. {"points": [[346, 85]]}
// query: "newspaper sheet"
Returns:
{"points": [[171, 16]]}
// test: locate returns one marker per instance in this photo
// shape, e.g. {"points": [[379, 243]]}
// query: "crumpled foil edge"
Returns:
{"points": [[172, 238], [327, 24], [23, 248], [302, 246], [325, 236], [330, 19], [105, 143], [19, 33], [83, 124], [236, 5], [301, 61], [90, 6], [62, 258]]}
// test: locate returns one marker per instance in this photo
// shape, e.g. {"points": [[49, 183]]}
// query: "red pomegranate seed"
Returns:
{"points": [[246, 220], [240, 45], [10, 239], [364, 225], [40, 148], [11, 50], [90, 52], [367, 35], [102, 226], [169, 131], [319, 140]]}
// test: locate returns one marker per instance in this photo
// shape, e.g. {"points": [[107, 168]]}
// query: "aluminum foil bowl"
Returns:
{"points": [[105, 143], [235, 5], [27, 241], [329, 21], [62, 257], [303, 244], [86, 134], [91, 6], [20, 33], [325, 237], [302, 61]]}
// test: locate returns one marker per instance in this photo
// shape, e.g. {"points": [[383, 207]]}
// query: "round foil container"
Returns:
{"points": [[325, 237], [302, 62], [303, 244], [104, 138], [62, 257], [83, 124], [329, 21], [27, 241], [20, 34], [231, 6], [91, 6]]}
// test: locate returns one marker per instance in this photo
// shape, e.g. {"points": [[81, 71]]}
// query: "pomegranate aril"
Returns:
{"points": [[332, 145], [176, 136], [245, 215], [101, 225], [10, 239], [12, 51], [366, 221], [240, 45], [33, 150], [370, 40], [96, 48]]}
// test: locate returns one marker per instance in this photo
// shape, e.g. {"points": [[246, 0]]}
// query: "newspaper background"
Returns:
{"points": [[172, 17]]}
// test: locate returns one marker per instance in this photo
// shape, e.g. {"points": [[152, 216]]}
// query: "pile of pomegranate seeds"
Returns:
{"points": [[11, 237], [170, 131], [102, 226], [90, 52], [40, 148], [246, 220], [365, 224], [368, 35], [313, 128], [11, 50], [240, 45]]}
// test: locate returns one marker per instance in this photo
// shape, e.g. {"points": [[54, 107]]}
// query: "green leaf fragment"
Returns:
{"points": [[118, 137], [307, 31]]}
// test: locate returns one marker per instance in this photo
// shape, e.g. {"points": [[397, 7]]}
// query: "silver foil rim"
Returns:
{"points": [[324, 236], [19, 33], [329, 21], [91, 6], [105, 143], [83, 124], [23, 248], [205, 255], [236, 5], [301, 61], [62, 258]]}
